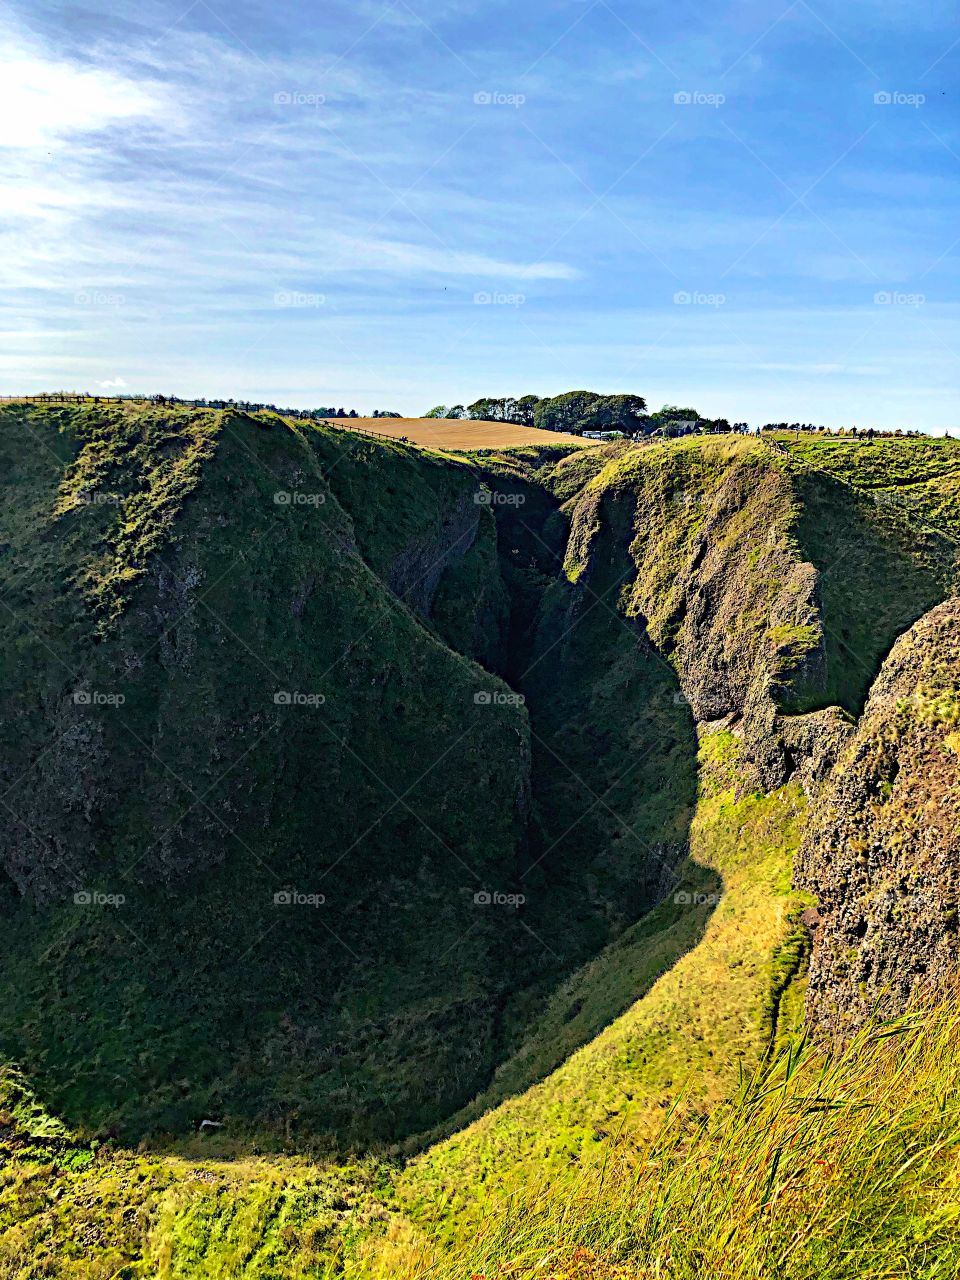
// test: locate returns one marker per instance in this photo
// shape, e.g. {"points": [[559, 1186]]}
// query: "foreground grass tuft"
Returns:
{"points": [[833, 1166]]}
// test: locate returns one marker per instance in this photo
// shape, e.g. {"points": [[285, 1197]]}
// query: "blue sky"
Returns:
{"points": [[747, 207]]}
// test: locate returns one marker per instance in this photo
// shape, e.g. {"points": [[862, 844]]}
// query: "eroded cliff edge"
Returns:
{"points": [[882, 856]]}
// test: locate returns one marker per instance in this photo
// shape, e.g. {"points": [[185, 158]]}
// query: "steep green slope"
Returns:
{"points": [[840, 1168], [78, 1210], [802, 1173], [722, 585], [276, 852], [707, 1013], [611, 684], [881, 524], [263, 716]]}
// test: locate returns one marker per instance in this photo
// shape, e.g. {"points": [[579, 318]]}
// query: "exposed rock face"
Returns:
{"points": [[883, 856], [45, 849], [812, 743], [725, 596], [276, 668], [416, 572]]}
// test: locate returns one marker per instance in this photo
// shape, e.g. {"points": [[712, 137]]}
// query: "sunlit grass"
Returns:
{"points": [[831, 1166]]}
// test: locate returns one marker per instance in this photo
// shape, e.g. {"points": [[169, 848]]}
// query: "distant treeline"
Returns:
{"points": [[245, 406], [577, 412], [859, 433]]}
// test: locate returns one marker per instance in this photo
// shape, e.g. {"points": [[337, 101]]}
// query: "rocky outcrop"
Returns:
{"points": [[724, 595], [883, 856], [46, 848], [416, 572], [251, 765]]}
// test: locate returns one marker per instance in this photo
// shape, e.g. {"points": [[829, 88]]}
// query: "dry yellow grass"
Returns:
{"points": [[458, 434]]}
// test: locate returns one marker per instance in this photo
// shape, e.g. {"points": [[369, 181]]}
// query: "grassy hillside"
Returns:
{"points": [[735, 513], [362, 795], [231, 673], [836, 1168], [830, 1167], [213, 693], [79, 1210], [709, 966], [888, 513]]}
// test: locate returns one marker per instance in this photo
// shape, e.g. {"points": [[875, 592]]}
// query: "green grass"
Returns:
{"points": [[84, 1211], [740, 524], [879, 463], [195, 597], [538, 1051], [880, 512], [829, 1166], [836, 1167], [706, 1014], [198, 797], [815, 1165], [145, 463]]}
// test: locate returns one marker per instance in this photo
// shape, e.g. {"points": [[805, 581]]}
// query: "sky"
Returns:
{"points": [[750, 208]]}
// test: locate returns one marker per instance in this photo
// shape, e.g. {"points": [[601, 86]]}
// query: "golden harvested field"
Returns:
{"points": [[444, 433]]}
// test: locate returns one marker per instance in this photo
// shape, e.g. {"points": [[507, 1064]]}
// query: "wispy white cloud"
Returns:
{"points": [[209, 175], [394, 255], [47, 104]]}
